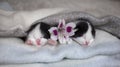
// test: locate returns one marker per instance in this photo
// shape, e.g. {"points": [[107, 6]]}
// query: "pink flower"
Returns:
{"points": [[63, 31], [54, 33]]}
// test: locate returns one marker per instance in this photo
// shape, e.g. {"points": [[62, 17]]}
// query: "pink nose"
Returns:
{"points": [[86, 42], [38, 41]]}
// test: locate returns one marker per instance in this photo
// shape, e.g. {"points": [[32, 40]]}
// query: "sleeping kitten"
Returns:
{"points": [[85, 33], [38, 33]]}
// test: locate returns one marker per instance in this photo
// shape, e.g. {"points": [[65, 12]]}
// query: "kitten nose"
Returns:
{"points": [[38, 41], [87, 42]]}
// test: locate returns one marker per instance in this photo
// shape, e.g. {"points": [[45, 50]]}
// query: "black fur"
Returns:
{"points": [[44, 29], [93, 30], [82, 27], [32, 27]]}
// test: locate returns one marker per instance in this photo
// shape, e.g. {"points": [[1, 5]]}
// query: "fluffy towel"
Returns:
{"points": [[105, 46]]}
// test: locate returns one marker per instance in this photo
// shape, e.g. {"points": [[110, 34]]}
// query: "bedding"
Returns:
{"points": [[103, 52], [105, 48], [107, 23], [15, 23]]}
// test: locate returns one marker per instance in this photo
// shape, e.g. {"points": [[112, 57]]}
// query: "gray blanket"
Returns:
{"points": [[108, 23]]}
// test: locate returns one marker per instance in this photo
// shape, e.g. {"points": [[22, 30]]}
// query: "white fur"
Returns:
{"points": [[87, 37], [36, 34]]}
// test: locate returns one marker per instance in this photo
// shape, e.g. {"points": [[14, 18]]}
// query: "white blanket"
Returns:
{"points": [[105, 51]]}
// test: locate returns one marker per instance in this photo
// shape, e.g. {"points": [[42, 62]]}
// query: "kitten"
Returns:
{"points": [[85, 33], [38, 33]]}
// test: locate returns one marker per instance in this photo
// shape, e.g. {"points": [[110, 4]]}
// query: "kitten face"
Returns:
{"points": [[36, 37], [87, 38], [85, 33]]}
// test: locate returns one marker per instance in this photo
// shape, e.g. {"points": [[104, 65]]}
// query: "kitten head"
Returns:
{"points": [[85, 33], [38, 34]]}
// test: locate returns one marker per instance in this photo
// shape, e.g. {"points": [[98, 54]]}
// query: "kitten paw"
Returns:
{"points": [[29, 42], [52, 42]]}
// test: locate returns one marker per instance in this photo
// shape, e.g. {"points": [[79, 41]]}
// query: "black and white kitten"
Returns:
{"points": [[85, 33], [38, 33]]}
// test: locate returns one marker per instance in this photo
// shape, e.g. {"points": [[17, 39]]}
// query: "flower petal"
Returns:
{"points": [[53, 37], [53, 30], [68, 29], [54, 33], [61, 23]]}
